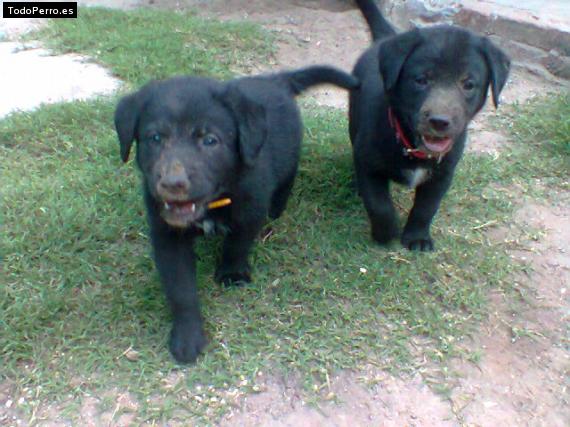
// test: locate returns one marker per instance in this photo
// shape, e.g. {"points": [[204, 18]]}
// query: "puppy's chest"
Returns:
{"points": [[214, 224], [416, 177]]}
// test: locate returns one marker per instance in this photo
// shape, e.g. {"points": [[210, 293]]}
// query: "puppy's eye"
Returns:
{"points": [[209, 140], [155, 137], [421, 81], [468, 85]]}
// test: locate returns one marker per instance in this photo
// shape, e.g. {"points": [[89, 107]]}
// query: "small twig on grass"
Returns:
{"points": [[487, 224]]}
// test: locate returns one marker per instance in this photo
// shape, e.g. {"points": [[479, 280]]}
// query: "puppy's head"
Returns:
{"points": [[437, 79], [193, 137]]}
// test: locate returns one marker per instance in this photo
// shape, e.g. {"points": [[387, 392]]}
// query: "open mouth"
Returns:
{"points": [[182, 213], [436, 144]]}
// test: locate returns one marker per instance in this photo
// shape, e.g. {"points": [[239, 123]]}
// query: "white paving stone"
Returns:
{"points": [[31, 77]]}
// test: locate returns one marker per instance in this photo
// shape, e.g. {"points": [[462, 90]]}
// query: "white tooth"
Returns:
{"points": [[166, 206], [193, 207]]}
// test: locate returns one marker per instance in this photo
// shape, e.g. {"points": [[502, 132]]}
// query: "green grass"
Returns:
{"points": [[149, 44], [80, 292], [546, 123], [540, 160]]}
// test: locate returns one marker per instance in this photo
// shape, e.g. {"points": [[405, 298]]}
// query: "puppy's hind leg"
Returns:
{"points": [[375, 192], [280, 197], [234, 268]]}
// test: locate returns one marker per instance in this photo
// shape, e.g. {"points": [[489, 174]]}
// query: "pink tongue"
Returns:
{"points": [[437, 145]]}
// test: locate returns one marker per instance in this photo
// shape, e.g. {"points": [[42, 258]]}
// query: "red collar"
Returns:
{"points": [[409, 149]]}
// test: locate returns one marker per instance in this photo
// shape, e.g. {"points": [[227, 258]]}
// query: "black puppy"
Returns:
{"points": [[214, 157], [408, 119]]}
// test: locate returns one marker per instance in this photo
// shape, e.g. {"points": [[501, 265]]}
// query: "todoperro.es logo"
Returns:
{"points": [[33, 9]]}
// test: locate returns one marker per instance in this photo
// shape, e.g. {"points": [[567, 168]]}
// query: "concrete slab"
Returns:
{"points": [[542, 24], [31, 77], [554, 13], [535, 33]]}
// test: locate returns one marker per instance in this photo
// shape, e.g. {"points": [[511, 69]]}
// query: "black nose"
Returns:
{"points": [[439, 123], [175, 184]]}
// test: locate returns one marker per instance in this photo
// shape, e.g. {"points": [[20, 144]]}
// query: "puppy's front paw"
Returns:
{"points": [[385, 233], [233, 277], [187, 340], [418, 243]]}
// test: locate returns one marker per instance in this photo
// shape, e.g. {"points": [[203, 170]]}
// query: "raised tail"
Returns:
{"points": [[379, 27], [304, 78]]}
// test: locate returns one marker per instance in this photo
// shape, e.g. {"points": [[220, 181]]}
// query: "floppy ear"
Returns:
{"points": [[393, 53], [251, 119], [498, 64], [126, 119]]}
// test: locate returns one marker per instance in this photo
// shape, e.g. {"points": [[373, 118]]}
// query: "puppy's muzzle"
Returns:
{"points": [[442, 119], [173, 183], [173, 187], [179, 207], [439, 123]]}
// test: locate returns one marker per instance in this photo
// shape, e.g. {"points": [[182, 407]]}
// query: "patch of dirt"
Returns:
{"points": [[350, 401], [522, 378], [310, 32], [114, 408], [327, 32]]}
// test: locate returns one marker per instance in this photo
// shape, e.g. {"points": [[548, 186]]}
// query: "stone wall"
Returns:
{"points": [[531, 41]]}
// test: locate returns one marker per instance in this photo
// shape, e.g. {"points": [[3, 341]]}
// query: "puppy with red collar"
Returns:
{"points": [[408, 119]]}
